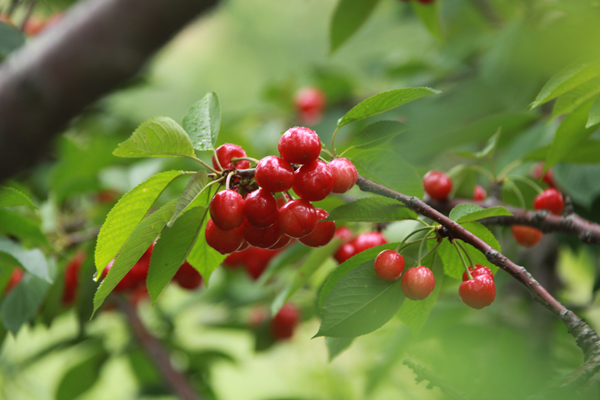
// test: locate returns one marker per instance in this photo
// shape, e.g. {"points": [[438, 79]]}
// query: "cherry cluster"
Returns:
{"points": [[253, 259], [243, 216], [417, 283], [353, 246]]}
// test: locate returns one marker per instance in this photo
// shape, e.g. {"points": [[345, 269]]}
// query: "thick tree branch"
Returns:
{"points": [[587, 339], [157, 353], [97, 46], [573, 224]]}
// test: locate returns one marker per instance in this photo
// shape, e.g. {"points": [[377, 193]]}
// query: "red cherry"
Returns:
{"points": [[15, 277], [281, 243], [274, 174], [72, 278], [34, 25], [257, 261], [136, 276], [139, 294], [478, 292], [478, 271], [245, 246], [297, 218], [344, 175], [323, 232], [260, 208], [418, 283], [550, 199], [437, 184], [368, 240], [300, 145], [526, 235], [313, 181], [479, 193], [107, 196], [263, 238], [344, 233], [548, 177], [224, 242], [225, 153], [310, 99], [284, 198], [425, 1], [389, 265], [227, 210], [345, 252], [285, 321], [187, 277], [236, 259]]}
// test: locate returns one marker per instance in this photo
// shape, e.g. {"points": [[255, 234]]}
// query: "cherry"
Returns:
{"points": [[139, 294], [263, 238], [526, 235], [225, 153], [257, 261], [478, 271], [245, 245], [274, 174], [300, 145], [34, 25], [548, 177], [313, 181], [136, 275], [437, 184], [236, 259], [285, 321], [345, 252], [478, 292], [310, 99], [297, 218], [227, 210], [479, 193], [550, 199], [281, 243], [389, 265], [418, 283], [107, 196], [72, 278], [15, 277], [224, 242], [187, 277], [368, 240], [344, 175], [323, 232], [260, 208], [344, 233]]}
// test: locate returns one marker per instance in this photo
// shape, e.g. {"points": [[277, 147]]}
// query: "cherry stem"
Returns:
{"points": [[529, 182], [253, 160], [409, 235], [462, 258], [325, 150], [492, 167], [517, 192], [333, 140], [431, 251], [228, 180], [204, 164], [423, 240], [412, 242], [466, 253], [483, 171]]}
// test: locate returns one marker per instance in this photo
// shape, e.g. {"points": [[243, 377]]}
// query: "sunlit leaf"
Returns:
{"points": [[32, 260], [82, 376], [594, 117], [372, 209], [194, 188], [471, 212], [10, 197], [576, 97], [203, 257], [203, 121], [348, 17]]}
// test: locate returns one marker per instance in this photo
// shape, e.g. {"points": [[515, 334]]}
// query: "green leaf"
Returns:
{"points": [[203, 257], [377, 133], [372, 209], [571, 132], [348, 17], [359, 303], [172, 249], [21, 305], [10, 197], [194, 188], [127, 214], [415, 314], [144, 234], [157, 137], [587, 152], [83, 375], [594, 116], [576, 97], [429, 14], [389, 169], [471, 212], [23, 228], [203, 121], [337, 346], [567, 79], [346, 267], [383, 102], [32, 260], [10, 39], [486, 152], [315, 260], [580, 181], [394, 347], [291, 254]]}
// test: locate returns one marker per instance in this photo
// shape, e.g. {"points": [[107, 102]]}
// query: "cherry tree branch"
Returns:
{"points": [[586, 338], [156, 351], [573, 224]]}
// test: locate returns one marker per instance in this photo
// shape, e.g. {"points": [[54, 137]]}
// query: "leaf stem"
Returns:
{"points": [[203, 163], [325, 150], [333, 140]]}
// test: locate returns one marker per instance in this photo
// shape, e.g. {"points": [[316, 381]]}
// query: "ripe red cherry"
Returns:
{"points": [[418, 283], [323, 232], [274, 174], [236, 259], [34, 25], [526, 235], [368, 240], [257, 261], [313, 181], [479, 193], [106, 196], [263, 238], [345, 252], [300, 145], [224, 242], [344, 175], [297, 218], [478, 271], [548, 177], [478, 292], [72, 278], [310, 99], [260, 208], [134, 278], [282, 242], [227, 210], [15, 277], [225, 153], [550, 199], [187, 277], [344, 233], [437, 184], [389, 265], [285, 321]]}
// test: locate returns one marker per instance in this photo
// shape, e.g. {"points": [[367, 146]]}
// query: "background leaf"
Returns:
{"points": [[203, 257], [377, 133], [594, 116], [588, 152], [32, 260], [472, 212], [429, 14], [21, 227], [372, 209], [157, 137], [348, 17], [487, 151], [83, 375], [336, 346], [203, 121], [191, 192], [10, 39], [10, 197], [576, 97]]}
